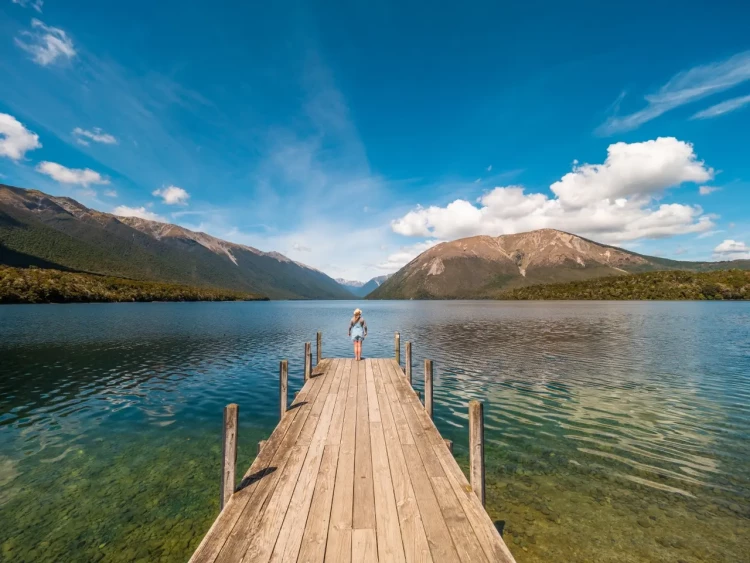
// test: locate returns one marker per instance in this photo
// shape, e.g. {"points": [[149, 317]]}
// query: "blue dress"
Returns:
{"points": [[357, 332]]}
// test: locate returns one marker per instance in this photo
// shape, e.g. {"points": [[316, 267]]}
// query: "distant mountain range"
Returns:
{"points": [[485, 266], [362, 289], [40, 230]]}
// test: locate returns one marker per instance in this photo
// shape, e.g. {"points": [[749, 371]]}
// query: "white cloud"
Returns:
{"points": [[111, 193], [406, 254], [15, 139], [46, 44], [707, 190], [35, 4], [96, 135], [732, 250], [722, 108], [300, 248], [172, 195], [708, 234], [683, 88], [140, 212], [489, 168], [64, 175], [611, 202]]}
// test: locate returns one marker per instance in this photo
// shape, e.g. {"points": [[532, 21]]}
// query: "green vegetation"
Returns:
{"points": [[666, 286], [34, 285]]}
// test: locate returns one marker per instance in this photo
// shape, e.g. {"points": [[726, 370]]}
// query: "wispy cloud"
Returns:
{"points": [[35, 4], [301, 248], [15, 139], [724, 107], [78, 176], [683, 88], [172, 195], [707, 190], [95, 134], [46, 44]]}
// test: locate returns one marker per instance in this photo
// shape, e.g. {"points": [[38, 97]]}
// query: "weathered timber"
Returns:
{"points": [[355, 471], [308, 361], [229, 453], [319, 347], [476, 448], [283, 387], [449, 445], [428, 386], [407, 367], [397, 348]]}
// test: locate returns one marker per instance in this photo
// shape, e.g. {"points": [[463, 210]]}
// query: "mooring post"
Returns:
{"points": [[283, 387], [408, 362], [428, 387], [319, 351], [397, 348], [260, 446], [308, 361], [449, 443], [476, 448], [228, 453]]}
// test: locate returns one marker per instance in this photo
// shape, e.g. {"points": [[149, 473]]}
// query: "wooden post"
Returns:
{"points": [[260, 445], [319, 351], [228, 453], [428, 387], [308, 361], [408, 361], [283, 387], [449, 443], [476, 448], [397, 348]]}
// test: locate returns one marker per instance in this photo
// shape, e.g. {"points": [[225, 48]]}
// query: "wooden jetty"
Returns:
{"points": [[355, 471]]}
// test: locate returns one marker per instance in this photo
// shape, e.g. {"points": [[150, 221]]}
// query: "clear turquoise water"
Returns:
{"points": [[616, 431]]}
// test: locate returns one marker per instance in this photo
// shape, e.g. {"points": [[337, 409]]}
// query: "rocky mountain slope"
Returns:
{"points": [[482, 265], [58, 232]]}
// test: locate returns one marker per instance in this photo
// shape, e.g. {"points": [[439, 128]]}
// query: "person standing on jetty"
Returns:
{"points": [[357, 332]]}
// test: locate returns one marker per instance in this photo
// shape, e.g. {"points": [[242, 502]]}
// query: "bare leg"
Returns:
{"points": [[355, 349]]}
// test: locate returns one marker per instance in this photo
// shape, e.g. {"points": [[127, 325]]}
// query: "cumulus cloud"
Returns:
{"points": [[406, 254], [95, 134], [732, 250], [707, 190], [15, 139], [140, 212], [172, 195], [46, 44], [611, 202], [683, 88], [80, 176], [35, 4], [722, 108]]}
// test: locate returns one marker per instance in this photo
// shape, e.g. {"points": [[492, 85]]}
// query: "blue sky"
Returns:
{"points": [[351, 136]]}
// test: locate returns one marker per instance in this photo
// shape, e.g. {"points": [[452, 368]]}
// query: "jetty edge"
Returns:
{"points": [[355, 471]]}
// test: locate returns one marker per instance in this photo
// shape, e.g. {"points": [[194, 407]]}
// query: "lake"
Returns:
{"points": [[615, 431]]}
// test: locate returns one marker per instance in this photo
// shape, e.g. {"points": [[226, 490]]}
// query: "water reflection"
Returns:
{"points": [[626, 423]]}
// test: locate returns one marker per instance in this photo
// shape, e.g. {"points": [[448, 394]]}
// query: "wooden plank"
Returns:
{"points": [[273, 454], [462, 533], [339, 545], [290, 536], [364, 546], [428, 387], [291, 456], [397, 348], [390, 545], [228, 453], [319, 348], [407, 367], [315, 536], [416, 547], [364, 502]]}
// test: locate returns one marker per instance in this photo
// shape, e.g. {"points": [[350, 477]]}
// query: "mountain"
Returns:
{"points": [[481, 266], [40, 230], [361, 289]]}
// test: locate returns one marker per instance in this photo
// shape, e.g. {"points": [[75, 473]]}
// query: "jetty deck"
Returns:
{"points": [[355, 471]]}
